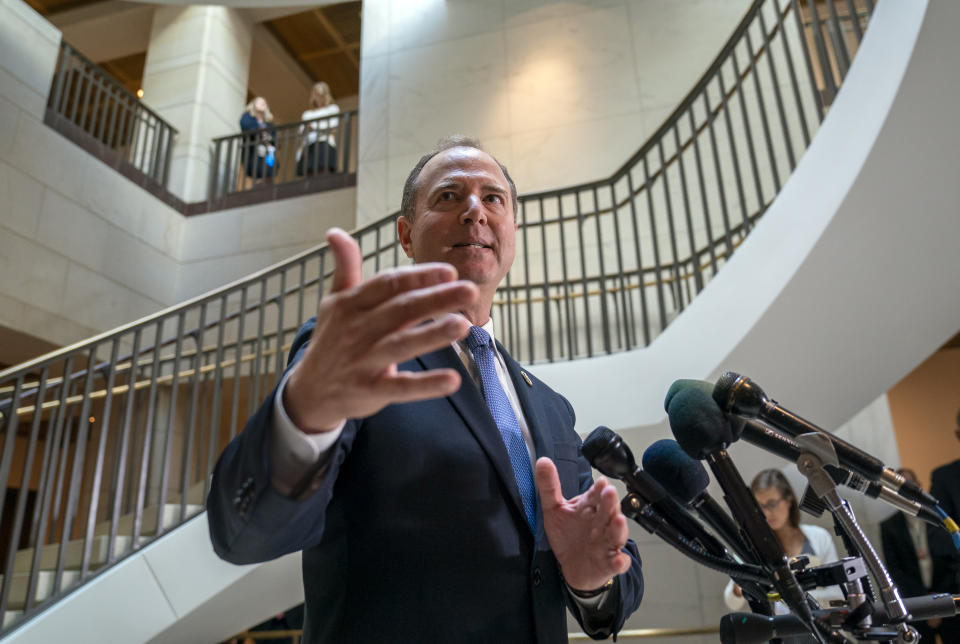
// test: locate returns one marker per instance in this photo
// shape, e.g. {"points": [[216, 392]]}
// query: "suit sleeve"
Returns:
{"points": [[249, 520], [946, 558], [608, 616]]}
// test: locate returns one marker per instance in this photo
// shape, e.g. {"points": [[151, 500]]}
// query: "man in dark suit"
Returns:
{"points": [[398, 451], [907, 554], [945, 487]]}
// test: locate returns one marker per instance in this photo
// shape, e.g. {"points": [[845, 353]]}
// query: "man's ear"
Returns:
{"points": [[404, 228]]}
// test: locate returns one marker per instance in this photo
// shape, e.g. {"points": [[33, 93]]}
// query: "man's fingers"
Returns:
{"points": [[410, 386], [348, 262], [548, 483], [414, 307], [621, 563], [609, 501], [383, 286], [423, 338]]}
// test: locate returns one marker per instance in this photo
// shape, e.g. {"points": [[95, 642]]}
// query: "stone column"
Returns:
{"points": [[195, 77]]}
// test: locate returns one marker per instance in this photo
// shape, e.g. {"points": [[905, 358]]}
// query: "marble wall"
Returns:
{"points": [[560, 92]]}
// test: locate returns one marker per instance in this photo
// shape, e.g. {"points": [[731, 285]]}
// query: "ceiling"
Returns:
{"points": [[323, 41]]}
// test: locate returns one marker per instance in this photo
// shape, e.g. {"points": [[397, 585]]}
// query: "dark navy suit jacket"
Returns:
{"points": [[945, 486], [414, 530]]}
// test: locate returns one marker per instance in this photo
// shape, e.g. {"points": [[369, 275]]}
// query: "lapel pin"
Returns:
{"points": [[526, 378]]}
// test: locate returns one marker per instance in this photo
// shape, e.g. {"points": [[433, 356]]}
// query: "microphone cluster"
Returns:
{"points": [[664, 495]]}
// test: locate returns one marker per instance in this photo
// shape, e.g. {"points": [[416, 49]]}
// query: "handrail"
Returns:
{"points": [[85, 98], [126, 422]]}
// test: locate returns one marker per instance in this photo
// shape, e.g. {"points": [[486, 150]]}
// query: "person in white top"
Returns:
{"points": [[781, 509], [318, 150]]}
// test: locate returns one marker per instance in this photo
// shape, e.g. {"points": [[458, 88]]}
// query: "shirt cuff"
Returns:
{"points": [[589, 602], [292, 451]]}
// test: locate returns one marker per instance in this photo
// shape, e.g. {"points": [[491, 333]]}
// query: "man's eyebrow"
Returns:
{"points": [[456, 185], [446, 185]]}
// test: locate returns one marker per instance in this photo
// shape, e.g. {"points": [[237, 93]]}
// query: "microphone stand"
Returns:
{"points": [[817, 452]]}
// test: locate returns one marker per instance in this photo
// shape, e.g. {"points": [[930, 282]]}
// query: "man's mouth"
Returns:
{"points": [[471, 245]]}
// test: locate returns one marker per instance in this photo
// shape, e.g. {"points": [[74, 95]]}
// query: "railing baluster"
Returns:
{"points": [[98, 466], [694, 259], [855, 19], [238, 365], [636, 245], [253, 399], [785, 126], [826, 69], [147, 438], [48, 482], [604, 313], [656, 243], [171, 423], [120, 469], [192, 412], [836, 35], [627, 310], [793, 78], [755, 71], [568, 304], [9, 441], [217, 386], [546, 282], [524, 227]]}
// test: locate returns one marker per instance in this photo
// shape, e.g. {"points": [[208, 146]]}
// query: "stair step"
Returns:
{"points": [[18, 586], [148, 521], [74, 555], [98, 547]]}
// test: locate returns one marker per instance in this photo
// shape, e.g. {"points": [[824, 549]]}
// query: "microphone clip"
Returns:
{"points": [[816, 453]]}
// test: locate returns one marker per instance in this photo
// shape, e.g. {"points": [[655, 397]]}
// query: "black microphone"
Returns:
{"points": [[741, 396], [702, 430], [650, 506], [783, 445], [608, 453], [686, 480], [771, 440]]}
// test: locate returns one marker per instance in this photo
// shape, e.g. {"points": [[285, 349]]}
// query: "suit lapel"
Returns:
{"points": [[542, 440], [469, 403]]}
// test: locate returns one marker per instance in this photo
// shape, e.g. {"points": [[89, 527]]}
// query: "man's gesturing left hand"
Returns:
{"points": [[586, 532]]}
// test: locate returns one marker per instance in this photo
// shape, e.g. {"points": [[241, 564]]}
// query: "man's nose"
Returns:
{"points": [[473, 212]]}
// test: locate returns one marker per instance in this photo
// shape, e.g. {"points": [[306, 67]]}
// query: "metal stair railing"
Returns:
{"points": [[109, 443], [87, 104]]}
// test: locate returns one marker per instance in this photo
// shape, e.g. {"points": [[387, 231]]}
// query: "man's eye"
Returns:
{"points": [[495, 198], [448, 196]]}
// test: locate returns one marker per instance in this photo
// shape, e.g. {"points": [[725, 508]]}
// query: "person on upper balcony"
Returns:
{"points": [[260, 146], [318, 151]]}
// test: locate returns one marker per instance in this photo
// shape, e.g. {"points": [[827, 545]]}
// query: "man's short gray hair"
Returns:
{"points": [[411, 186]]}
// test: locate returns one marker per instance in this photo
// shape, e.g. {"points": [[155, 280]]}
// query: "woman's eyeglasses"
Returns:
{"points": [[770, 506]]}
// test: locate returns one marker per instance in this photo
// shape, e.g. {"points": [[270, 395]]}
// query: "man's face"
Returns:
{"points": [[463, 216]]}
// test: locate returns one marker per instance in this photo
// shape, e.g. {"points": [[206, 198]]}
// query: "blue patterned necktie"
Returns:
{"points": [[502, 411]]}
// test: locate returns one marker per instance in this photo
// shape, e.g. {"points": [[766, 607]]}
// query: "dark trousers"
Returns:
{"points": [[319, 156]]}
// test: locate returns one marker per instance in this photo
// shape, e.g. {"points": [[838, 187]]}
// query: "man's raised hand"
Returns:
{"points": [[586, 533], [349, 368]]}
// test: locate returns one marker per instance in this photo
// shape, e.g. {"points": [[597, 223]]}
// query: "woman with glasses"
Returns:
{"points": [[779, 504]]}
